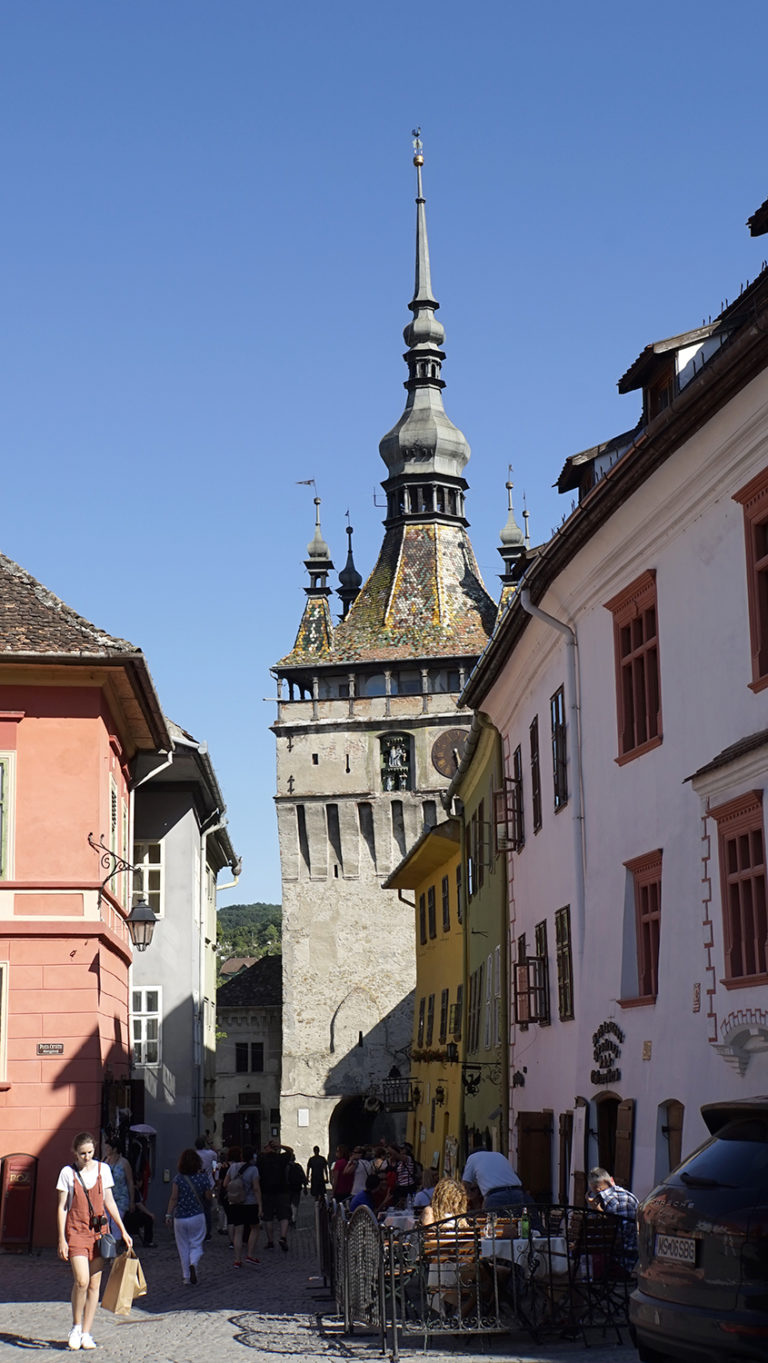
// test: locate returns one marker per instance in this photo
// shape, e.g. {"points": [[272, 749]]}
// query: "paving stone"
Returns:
{"points": [[261, 1313]]}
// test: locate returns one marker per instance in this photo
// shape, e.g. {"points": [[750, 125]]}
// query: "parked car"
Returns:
{"points": [[702, 1275]]}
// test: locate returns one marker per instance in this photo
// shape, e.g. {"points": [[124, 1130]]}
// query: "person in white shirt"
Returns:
{"points": [[84, 1196], [492, 1173]]}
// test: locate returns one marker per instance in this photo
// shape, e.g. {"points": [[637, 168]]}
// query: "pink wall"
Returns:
{"points": [[68, 978]]}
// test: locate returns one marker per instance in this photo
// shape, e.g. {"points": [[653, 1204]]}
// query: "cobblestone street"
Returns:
{"points": [[276, 1309]]}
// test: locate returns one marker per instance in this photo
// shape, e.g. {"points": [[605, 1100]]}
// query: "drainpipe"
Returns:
{"points": [[205, 833], [579, 850]]}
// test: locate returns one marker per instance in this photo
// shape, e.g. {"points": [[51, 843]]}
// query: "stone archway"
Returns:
{"points": [[353, 1123]]}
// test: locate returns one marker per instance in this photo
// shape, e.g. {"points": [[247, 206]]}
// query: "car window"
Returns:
{"points": [[737, 1157]]}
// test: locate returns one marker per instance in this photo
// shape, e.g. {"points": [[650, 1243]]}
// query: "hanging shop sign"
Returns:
{"points": [[607, 1042]]}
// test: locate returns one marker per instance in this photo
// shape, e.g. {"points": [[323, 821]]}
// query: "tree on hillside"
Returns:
{"points": [[249, 930]]}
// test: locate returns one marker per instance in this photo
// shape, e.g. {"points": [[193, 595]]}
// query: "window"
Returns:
{"points": [[431, 919], [455, 1018], [535, 774], [444, 1015], [249, 1057], [395, 762], [564, 963], [420, 1032], [497, 996], [6, 809], [543, 955], [145, 1022], [559, 754], [488, 1003], [475, 1005], [508, 810], [742, 884], [638, 679], [148, 877], [446, 904], [422, 919], [249, 1099], [430, 1019], [754, 499], [518, 824], [458, 894], [481, 844], [646, 876]]}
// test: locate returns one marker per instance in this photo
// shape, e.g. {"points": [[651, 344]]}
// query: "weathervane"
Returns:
{"points": [[418, 147]]}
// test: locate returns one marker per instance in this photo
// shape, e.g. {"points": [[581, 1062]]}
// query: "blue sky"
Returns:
{"points": [[207, 240]]}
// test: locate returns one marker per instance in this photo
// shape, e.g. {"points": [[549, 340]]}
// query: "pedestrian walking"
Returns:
{"points": [[273, 1172], [122, 1174], [317, 1172], [297, 1184], [190, 1191], [85, 1197], [243, 1191]]}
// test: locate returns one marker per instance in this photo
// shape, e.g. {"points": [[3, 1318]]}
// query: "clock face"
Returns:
{"points": [[447, 751]]}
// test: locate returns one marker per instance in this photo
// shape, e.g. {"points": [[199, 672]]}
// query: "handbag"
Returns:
{"points": [[106, 1244], [126, 1282]]}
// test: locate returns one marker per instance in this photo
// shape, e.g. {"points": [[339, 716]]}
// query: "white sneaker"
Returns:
{"points": [[87, 1342], [75, 1337]]}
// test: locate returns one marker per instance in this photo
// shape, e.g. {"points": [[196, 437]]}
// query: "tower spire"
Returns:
{"points": [[424, 453]]}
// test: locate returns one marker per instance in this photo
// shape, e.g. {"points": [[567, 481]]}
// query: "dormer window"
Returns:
{"points": [[662, 391]]}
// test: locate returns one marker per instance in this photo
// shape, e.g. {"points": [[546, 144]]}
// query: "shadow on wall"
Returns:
{"points": [[365, 1048], [71, 1094]]}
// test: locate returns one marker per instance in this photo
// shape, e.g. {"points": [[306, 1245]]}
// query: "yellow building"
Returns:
{"points": [[433, 871]]}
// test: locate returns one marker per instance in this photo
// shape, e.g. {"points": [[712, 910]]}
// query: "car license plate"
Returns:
{"points": [[675, 1249]]}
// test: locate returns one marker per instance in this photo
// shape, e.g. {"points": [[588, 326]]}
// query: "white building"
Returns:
{"points": [[629, 681]]}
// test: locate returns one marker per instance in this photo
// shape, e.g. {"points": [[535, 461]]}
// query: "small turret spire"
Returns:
{"points": [[512, 547], [349, 577]]}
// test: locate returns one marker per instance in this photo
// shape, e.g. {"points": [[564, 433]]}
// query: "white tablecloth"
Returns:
{"points": [[552, 1251]]}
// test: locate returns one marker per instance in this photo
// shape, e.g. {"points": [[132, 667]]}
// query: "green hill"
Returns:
{"points": [[249, 930]]}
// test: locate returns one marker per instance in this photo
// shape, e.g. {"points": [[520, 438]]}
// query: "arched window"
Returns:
{"points": [[395, 757]]}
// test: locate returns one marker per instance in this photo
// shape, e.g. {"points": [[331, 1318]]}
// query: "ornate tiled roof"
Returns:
{"points": [[424, 599], [261, 986], [315, 634]]}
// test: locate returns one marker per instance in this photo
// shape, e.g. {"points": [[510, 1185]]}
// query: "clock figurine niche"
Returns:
{"points": [[447, 751]]}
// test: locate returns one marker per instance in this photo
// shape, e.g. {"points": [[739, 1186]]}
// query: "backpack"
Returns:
{"points": [[236, 1189]]}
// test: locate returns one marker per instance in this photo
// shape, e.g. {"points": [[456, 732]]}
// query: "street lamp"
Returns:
{"points": [[141, 925], [141, 920]]}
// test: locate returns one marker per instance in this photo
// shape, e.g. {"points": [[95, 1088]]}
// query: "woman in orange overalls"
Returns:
{"points": [[77, 1237]]}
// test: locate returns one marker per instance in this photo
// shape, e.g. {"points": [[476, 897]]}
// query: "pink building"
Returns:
{"points": [[76, 706]]}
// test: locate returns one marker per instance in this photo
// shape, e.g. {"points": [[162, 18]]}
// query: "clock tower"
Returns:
{"points": [[369, 734]]}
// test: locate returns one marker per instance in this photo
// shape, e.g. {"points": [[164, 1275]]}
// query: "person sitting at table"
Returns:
{"points": [[605, 1195], [365, 1197], [449, 1203]]}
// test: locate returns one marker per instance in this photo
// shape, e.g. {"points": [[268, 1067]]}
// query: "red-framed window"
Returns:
{"points": [[741, 845], [638, 676], [754, 499], [646, 876]]}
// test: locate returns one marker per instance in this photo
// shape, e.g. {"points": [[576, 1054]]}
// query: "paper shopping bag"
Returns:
{"points": [[126, 1281], [139, 1282]]}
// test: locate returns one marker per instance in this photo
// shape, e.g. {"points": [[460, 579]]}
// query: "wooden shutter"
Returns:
{"points": [[625, 1124]]}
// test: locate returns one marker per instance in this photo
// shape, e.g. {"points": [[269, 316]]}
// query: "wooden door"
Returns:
{"points": [[534, 1153]]}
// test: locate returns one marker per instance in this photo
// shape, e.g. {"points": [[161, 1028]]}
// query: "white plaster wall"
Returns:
{"points": [[683, 524]]}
